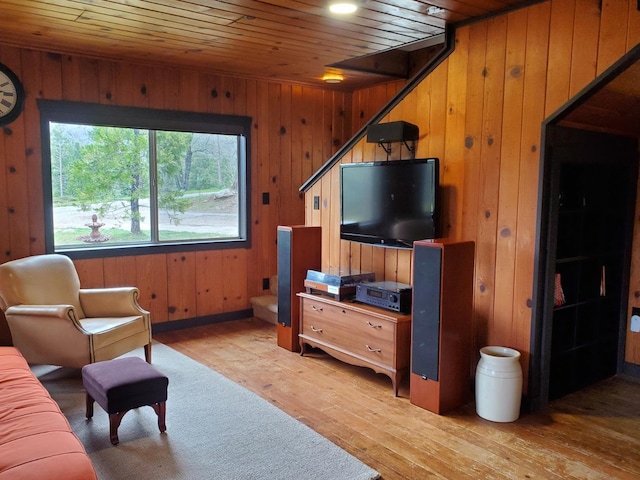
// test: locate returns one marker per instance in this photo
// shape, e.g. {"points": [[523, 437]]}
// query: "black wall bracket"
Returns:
{"points": [[387, 146]]}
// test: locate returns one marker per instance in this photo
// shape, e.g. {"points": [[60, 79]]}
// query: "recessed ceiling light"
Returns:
{"points": [[343, 8]]}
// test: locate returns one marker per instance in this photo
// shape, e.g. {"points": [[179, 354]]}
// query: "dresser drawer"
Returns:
{"points": [[357, 334], [349, 330]]}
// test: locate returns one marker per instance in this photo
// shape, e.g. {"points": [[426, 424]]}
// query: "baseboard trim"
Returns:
{"points": [[631, 369], [200, 321]]}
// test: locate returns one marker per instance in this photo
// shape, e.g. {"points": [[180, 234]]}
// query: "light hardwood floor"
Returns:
{"points": [[592, 434]]}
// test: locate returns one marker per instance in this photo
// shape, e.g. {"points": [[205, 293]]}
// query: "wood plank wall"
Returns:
{"points": [[481, 112], [295, 130]]}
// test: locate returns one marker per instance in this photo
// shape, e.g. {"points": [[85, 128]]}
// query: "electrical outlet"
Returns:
{"points": [[265, 284], [316, 202], [635, 320]]}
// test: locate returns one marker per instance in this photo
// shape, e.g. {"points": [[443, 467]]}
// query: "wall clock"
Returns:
{"points": [[11, 95]]}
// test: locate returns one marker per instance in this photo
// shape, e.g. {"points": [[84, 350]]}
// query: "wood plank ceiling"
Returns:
{"points": [[290, 40]]}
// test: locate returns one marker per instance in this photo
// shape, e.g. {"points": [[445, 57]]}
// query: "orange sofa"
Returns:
{"points": [[36, 440]]}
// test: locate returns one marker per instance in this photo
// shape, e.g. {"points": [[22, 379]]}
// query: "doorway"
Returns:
{"points": [[593, 184], [585, 232]]}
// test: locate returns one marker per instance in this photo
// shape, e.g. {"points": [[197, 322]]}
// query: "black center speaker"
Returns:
{"points": [[392, 132]]}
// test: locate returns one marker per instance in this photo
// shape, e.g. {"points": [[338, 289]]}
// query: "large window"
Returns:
{"points": [[120, 179]]}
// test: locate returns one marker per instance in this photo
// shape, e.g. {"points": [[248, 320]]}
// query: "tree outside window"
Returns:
{"points": [[118, 186]]}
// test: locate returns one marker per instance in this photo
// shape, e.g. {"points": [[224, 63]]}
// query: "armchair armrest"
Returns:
{"points": [[54, 312], [111, 302], [58, 311]]}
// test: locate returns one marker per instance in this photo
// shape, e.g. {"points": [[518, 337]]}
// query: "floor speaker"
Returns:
{"points": [[441, 337], [299, 250]]}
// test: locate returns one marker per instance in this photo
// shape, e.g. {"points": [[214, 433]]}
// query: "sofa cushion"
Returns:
{"points": [[36, 440]]}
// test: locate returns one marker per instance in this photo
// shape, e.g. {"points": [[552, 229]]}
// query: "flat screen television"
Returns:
{"points": [[391, 203]]}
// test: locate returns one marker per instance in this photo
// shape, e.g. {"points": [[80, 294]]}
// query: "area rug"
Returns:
{"points": [[216, 429]]}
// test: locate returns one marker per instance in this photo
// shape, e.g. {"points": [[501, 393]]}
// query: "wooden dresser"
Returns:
{"points": [[358, 334]]}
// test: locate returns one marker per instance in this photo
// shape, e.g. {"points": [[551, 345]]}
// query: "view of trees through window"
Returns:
{"points": [[115, 185]]}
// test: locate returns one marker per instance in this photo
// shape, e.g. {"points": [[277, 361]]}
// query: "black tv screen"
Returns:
{"points": [[390, 203]]}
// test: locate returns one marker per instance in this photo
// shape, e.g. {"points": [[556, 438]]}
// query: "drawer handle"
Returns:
{"points": [[314, 329], [369, 324], [313, 307], [376, 350]]}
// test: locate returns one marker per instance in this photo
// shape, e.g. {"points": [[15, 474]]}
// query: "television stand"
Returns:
{"points": [[357, 334]]}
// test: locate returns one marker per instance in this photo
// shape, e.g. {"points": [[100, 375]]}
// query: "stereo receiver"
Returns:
{"points": [[390, 295]]}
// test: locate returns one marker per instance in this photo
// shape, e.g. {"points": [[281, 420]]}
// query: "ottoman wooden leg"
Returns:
{"points": [[114, 423], [161, 409]]}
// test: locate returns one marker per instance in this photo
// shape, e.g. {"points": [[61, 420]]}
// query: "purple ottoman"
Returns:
{"points": [[123, 384]]}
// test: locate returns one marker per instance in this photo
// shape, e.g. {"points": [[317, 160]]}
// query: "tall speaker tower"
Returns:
{"points": [[299, 250], [441, 339]]}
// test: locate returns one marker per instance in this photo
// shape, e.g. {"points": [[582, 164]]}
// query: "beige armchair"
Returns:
{"points": [[55, 322]]}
